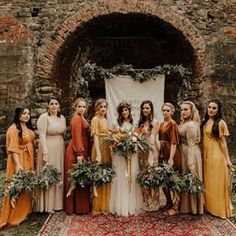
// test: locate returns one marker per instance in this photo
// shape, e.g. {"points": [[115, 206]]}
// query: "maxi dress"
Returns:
{"points": [[24, 147], [99, 127], [216, 176], [126, 196], [51, 141], [191, 155], [150, 196], [79, 200]]}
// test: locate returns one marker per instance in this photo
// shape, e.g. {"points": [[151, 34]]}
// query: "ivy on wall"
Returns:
{"points": [[92, 72]]}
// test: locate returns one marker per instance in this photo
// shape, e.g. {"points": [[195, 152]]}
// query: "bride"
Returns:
{"points": [[126, 197]]}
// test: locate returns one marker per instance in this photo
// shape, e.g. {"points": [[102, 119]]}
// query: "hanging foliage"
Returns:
{"points": [[92, 72]]}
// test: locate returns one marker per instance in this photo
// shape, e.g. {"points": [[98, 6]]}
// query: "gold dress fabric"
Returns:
{"points": [[100, 203], [216, 176]]}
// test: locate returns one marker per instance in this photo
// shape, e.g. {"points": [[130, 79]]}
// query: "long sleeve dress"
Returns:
{"points": [[191, 155], [126, 197], [216, 176], [25, 149], [150, 196], [51, 141], [79, 199], [99, 127]]}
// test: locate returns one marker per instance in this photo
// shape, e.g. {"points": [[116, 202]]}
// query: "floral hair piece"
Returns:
{"points": [[122, 105]]}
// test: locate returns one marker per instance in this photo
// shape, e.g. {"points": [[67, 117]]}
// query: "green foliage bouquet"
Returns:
{"points": [[233, 182], [48, 176], [22, 181], [81, 174], [192, 184]]}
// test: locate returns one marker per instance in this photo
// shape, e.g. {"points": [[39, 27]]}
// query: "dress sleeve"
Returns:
{"points": [[174, 134], [191, 137], [76, 133], [42, 125], [13, 140], [95, 126], [223, 129]]}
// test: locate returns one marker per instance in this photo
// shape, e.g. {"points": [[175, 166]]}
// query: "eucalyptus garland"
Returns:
{"points": [[92, 72], [48, 176], [22, 181]]}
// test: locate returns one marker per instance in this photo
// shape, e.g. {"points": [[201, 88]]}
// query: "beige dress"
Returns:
{"points": [[51, 141], [191, 155]]}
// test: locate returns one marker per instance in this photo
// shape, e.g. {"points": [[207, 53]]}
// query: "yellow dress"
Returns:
{"points": [[25, 149], [216, 176], [99, 127]]}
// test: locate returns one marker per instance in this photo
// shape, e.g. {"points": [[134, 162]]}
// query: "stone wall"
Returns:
{"points": [[34, 35]]}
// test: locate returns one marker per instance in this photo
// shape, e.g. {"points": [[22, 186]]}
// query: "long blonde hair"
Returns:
{"points": [[98, 104], [75, 103], [194, 112]]}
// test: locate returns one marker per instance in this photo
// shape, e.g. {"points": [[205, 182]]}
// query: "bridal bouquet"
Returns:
{"points": [[192, 184], [48, 176], [233, 182], [22, 181], [125, 143]]}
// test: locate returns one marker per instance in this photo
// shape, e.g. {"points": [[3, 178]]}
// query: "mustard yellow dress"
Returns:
{"points": [[216, 176], [24, 147], [99, 127]]}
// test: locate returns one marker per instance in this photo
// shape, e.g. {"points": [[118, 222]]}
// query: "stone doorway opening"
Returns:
{"points": [[142, 40]]}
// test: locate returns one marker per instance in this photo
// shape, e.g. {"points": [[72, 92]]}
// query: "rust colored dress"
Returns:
{"points": [[168, 135], [25, 148], [99, 127], [79, 199]]}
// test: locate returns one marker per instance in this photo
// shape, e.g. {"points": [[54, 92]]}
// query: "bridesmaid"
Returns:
{"points": [[51, 127], [169, 152], [20, 156], [126, 197], [216, 161], [191, 154], [100, 154], [148, 127], [77, 151]]}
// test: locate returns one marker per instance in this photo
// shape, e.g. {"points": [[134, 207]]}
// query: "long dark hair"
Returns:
{"points": [[217, 118], [119, 109], [54, 98], [16, 120], [142, 118]]}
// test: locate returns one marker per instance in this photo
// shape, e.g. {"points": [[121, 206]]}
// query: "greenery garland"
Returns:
{"points": [[22, 181], [48, 176], [233, 182], [92, 72]]}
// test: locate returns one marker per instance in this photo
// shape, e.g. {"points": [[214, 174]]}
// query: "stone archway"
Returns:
{"points": [[49, 55]]}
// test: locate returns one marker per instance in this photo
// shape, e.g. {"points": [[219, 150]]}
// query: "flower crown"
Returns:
{"points": [[122, 105]]}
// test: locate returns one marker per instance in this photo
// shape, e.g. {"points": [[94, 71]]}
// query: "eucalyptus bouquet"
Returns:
{"points": [[22, 181], [102, 174], [48, 176], [125, 143], [81, 174], [192, 184]]}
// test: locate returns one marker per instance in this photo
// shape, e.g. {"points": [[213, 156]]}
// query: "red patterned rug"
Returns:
{"points": [[147, 224]]}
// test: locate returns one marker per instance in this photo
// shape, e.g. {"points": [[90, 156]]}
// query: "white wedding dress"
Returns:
{"points": [[126, 196]]}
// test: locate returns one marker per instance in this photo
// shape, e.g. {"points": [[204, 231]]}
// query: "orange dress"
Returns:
{"points": [[79, 200], [25, 148], [168, 135]]}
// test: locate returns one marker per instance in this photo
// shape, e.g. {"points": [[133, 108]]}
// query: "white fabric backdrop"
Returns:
{"points": [[125, 89]]}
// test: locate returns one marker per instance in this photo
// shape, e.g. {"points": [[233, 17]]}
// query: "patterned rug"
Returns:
{"points": [[146, 224]]}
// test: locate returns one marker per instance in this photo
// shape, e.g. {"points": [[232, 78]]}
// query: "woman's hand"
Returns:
{"points": [[98, 158], [170, 162], [80, 159], [229, 164]]}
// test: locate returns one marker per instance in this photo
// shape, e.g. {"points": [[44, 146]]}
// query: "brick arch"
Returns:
{"points": [[103, 7]]}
